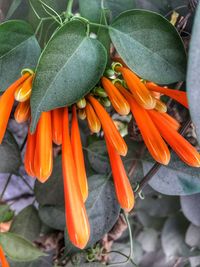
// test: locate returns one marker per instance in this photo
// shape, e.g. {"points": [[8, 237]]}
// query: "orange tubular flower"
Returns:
{"points": [[160, 106], [178, 143], [22, 112], [123, 187], [78, 155], [92, 119], [179, 96], [151, 136], [76, 216], [23, 93], [109, 127], [57, 117], [137, 88], [3, 260], [6, 104], [43, 159], [172, 123], [29, 154], [118, 101]]}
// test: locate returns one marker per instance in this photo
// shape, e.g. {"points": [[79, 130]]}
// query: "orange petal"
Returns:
{"points": [[109, 127], [151, 136], [76, 216], [160, 106], [57, 118], [43, 160], [78, 155], [6, 104], [137, 88], [3, 260], [92, 119], [172, 123], [123, 187], [179, 96], [22, 112], [23, 93], [118, 101], [29, 154], [178, 143]]}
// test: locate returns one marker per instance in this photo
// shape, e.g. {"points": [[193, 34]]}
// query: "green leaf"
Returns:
{"points": [[192, 237], [173, 236], [98, 157], [18, 49], [6, 214], [18, 248], [27, 223], [190, 206], [70, 66], [148, 238], [91, 9], [53, 216], [193, 77], [150, 46], [13, 7], [10, 158], [41, 262], [51, 192], [175, 179], [159, 206]]}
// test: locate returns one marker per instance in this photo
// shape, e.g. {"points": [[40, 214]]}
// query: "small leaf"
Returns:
{"points": [[18, 248], [6, 214], [192, 237], [148, 239], [150, 46], [10, 158], [18, 49], [191, 208], [70, 66], [173, 236], [27, 223], [193, 77]]}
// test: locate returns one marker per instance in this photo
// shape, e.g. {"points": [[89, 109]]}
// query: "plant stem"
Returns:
{"points": [[6, 186], [68, 13], [98, 25]]}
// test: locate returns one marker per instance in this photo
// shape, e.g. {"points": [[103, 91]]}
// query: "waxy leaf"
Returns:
{"points": [[27, 223], [193, 75], [150, 46], [19, 249], [70, 66], [191, 208], [10, 158], [18, 49]]}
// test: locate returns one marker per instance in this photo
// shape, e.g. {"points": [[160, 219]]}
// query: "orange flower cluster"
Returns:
{"points": [[54, 126]]}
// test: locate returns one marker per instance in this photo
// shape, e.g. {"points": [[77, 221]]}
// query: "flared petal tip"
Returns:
{"points": [[43, 179]]}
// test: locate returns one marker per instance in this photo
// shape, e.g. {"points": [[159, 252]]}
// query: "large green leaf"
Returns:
{"points": [[193, 75], [150, 46], [53, 216], [18, 49], [18, 248], [10, 158], [27, 223], [71, 64], [91, 9]]}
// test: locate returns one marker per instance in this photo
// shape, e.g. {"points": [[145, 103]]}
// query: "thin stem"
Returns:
{"points": [[99, 25], [130, 257], [68, 13], [44, 5], [6, 186], [26, 183], [31, 5], [103, 11]]}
